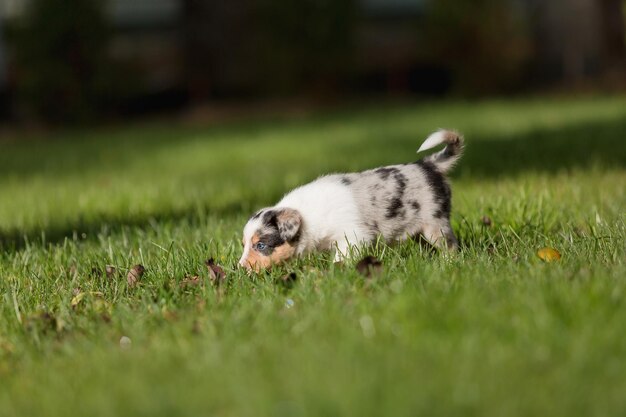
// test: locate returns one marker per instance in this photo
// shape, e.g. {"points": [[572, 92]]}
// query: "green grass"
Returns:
{"points": [[491, 331]]}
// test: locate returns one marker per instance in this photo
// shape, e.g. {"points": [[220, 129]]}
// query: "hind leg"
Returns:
{"points": [[439, 234]]}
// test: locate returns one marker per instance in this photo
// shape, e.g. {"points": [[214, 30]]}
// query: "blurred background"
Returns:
{"points": [[89, 61]]}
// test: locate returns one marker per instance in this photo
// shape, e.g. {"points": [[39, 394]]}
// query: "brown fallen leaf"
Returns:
{"points": [[486, 220], [548, 254], [135, 274], [193, 281], [110, 271], [369, 266], [216, 272]]}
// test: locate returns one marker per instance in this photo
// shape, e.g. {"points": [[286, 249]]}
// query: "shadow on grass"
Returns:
{"points": [[105, 225], [546, 150], [577, 147]]}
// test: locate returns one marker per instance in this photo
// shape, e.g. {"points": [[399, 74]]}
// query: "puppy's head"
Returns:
{"points": [[270, 237]]}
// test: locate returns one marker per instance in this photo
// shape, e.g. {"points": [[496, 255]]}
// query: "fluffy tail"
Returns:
{"points": [[445, 159]]}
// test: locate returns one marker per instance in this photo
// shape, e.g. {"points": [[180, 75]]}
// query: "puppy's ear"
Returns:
{"points": [[289, 222]]}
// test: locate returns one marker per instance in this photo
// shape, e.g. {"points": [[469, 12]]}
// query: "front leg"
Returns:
{"points": [[342, 251], [345, 248]]}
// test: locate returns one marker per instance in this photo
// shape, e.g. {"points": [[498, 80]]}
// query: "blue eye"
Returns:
{"points": [[261, 246]]}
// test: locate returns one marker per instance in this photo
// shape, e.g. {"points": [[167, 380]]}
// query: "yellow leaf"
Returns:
{"points": [[77, 299], [549, 254], [101, 306]]}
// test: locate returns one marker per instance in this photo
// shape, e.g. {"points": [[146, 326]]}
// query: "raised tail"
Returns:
{"points": [[445, 159]]}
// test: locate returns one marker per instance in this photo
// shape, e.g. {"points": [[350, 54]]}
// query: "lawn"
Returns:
{"points": [[491, 331]]}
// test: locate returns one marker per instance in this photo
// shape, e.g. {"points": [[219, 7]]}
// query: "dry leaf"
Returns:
{"points": [[77, 299], [193, 281], [216, 273], [369, 266], [486, 220], [134, 275], [110, 271], [549, 254]]}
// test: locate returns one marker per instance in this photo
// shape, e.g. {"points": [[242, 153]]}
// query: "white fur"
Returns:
{"points": [[435, 139], [330, 216], [248, 231]]}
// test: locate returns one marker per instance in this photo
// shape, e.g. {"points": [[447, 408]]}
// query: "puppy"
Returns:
{"points": [[338, 211]]}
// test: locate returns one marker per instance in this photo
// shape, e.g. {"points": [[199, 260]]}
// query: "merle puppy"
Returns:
{"points": [[338, 211]]}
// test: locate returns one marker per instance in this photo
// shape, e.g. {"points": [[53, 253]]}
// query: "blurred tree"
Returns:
{"points": [[613, 14], [484, 44], [220, 57], [60, 52], [307, 43], [266, 47], [576, 39], [4, 94], [2, 61]]}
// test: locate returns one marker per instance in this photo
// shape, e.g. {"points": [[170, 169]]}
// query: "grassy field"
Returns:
{"points": [[492, 331]]}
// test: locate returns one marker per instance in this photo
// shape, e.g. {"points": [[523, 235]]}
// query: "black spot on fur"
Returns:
{"points": [[439, 187], [373, 228], [373, 200], [384, 172], [287, 228], [272, 228], [415, 205], [269, 219], [397, 233], [256, 215], [269, 234], [400, 181], [346, 181], [296, 237], [394, 208]]}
